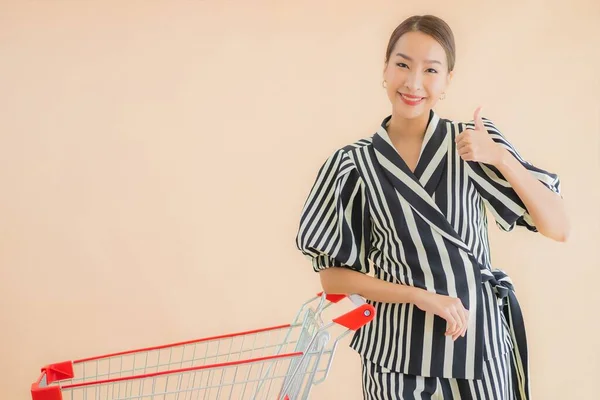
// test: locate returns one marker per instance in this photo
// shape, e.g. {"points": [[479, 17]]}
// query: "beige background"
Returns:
{"points": [[154, 158]]}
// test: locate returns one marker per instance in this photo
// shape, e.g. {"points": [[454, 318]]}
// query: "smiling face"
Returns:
{"points": [[416, 75]]}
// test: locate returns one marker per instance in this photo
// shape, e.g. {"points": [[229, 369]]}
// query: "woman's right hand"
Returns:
{"points": [[449, 308]]}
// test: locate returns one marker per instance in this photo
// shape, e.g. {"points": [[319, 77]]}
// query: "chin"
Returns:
{"points": [[408, 112]]}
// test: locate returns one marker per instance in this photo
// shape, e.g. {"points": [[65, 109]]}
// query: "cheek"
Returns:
{"points": [[436, 86], [396, 77]]}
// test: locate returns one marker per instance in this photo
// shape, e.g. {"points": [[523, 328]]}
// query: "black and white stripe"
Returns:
{"points": [[380, 383], [428, 229]]}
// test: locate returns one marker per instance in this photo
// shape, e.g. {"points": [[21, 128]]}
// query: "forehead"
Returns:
{"points": [[419, 46]]}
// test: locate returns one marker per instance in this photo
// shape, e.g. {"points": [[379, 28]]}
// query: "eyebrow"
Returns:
{"points": [[410, 59]]}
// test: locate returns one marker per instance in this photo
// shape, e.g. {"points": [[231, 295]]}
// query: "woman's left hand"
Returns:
{"points": [[477, 145]]}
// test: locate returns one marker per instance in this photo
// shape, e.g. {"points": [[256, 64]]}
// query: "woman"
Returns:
{"points": [[411, 200]]}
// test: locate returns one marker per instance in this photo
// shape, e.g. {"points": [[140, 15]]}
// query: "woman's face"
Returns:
{"points": [[416, 74]]}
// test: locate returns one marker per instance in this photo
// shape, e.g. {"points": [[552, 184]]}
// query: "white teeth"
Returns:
{"points": [[411, 99]]}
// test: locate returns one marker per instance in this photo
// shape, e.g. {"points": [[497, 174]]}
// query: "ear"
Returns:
{"points": [[449, 78]]}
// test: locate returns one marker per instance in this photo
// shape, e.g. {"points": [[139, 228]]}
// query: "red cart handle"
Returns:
{"points": [[51, 373], [357, 318], [333, 298]]}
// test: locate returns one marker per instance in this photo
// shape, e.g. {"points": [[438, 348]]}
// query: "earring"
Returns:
{"points": [[443, 96], [384, 84]]}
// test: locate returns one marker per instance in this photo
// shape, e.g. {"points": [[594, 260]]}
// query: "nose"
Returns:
{"points": [[414, 81]]}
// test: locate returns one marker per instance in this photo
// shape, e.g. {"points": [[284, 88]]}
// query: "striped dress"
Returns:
{"points": [[367, 211]]}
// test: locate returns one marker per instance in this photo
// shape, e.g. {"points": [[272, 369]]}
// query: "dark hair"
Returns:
{"points": [[429, 25]]}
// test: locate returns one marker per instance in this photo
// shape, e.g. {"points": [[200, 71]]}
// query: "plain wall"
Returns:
{"points": [[155, 157]]}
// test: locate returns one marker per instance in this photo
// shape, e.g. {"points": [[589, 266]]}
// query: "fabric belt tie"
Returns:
{"points": [[505, 290]]}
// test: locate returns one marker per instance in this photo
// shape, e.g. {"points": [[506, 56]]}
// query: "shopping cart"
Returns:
{"points": [[281, 362]]}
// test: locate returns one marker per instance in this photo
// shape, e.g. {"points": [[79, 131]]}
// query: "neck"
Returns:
{"points": [[399, 128]]}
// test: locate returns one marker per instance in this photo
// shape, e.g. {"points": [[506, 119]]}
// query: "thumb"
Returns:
{"points": [[477, 119]]}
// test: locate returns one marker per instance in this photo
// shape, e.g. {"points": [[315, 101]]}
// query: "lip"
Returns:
{"points": [[407, 99], [410, 96]]}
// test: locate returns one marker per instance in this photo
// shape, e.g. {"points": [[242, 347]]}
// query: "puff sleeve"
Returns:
{"points": [[498, 195], [334, 228]]}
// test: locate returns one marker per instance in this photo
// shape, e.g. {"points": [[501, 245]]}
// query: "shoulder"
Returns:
{"points": [[348, 152], [343, 159], [460, 125], [359, 144]]}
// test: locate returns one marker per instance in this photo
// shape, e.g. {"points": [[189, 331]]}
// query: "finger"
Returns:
{"points": [[456, 326], [466, 313], [456, 336], [477, 119], [461, 136], [464, 321], [459, 322], [468, 155], [462, 144], [465, 317], [450, 324]]}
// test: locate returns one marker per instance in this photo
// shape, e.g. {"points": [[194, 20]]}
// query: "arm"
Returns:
{"points": [[546, 208], [346, 281], [341, 280], [516, 191], [334, 233]]}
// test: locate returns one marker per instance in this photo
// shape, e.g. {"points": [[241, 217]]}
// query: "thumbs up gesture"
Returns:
{"points": [[477, 145]]}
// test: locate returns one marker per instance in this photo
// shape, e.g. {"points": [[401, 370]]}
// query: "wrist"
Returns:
{"points": [[503, 157], [413, 294]]}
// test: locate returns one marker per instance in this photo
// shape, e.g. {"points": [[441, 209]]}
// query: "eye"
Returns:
{"points": [[401, 65], [433, 70]]}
